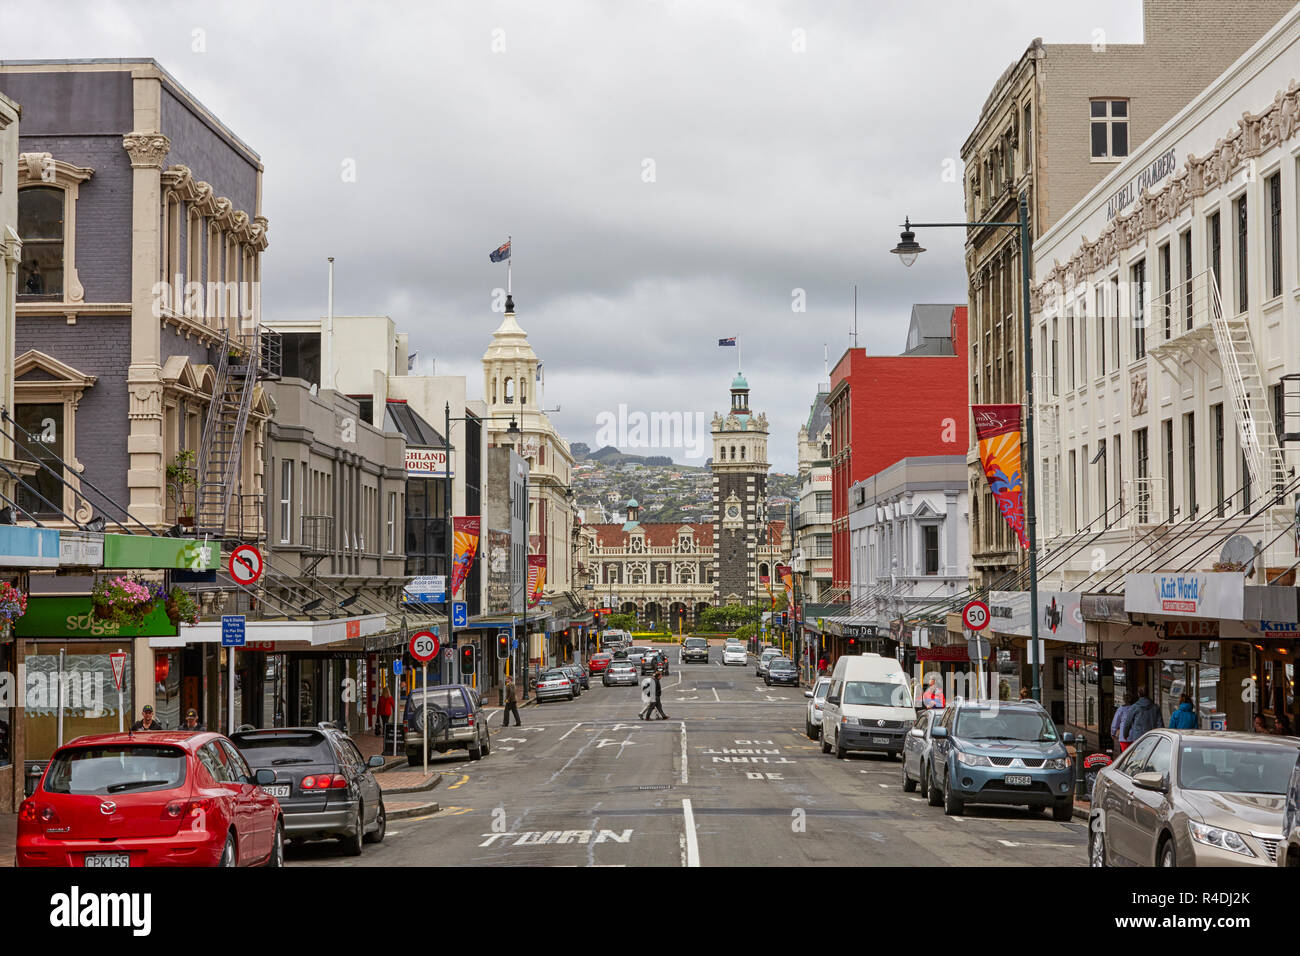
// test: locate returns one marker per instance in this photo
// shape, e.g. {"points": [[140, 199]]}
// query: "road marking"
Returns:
{"points": [[1054, 846], [684, 777], [883, 786], [606, 742], [464, 779], [456, 811], [715, 695], [916, 799], [692, 843], [570, 730]]}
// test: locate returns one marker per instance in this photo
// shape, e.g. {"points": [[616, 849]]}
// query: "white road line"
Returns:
{"points": [[692, 844], [684, 777], [715, 695], [570, 730]]}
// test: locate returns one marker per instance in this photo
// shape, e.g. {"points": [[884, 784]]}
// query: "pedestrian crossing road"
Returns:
{"points": [[729, 780]]}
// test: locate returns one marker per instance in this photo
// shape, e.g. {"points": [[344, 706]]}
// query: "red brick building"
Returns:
{"points": [[888, 407]]}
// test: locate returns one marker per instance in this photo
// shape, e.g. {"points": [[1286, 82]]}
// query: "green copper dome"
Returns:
{"points": [[739, 381], [631, 503]]}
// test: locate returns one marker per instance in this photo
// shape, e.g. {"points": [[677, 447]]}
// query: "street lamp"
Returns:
{"points": [[513, 432], [907, 250]]}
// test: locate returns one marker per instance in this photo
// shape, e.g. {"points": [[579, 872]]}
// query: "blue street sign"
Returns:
{"points": [[424, 597], [232, 630], [397, 667], [459, 614], [514, 643]]}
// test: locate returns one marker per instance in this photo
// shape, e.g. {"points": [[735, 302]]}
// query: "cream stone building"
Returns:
{"points": [[1058, 120]]}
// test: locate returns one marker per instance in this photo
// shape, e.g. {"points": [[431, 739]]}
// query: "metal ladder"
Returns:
{"points": [[223, 437]]}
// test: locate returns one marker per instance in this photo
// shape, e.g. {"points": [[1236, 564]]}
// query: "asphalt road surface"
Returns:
{"points": [[729, 780]]}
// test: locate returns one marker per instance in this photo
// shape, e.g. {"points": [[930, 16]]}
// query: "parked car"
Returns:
{"points": [[621, 672], [768, 655], [1002, 752], [324, 785], [556, 684], [695, 649], [1193, 798], [781, 670], [816, 697], [1288, 851], [654, 661], [580, 679], [162, 799], [456, 719], [735, 654], [598, 662], [869, 706], [917, 747]]}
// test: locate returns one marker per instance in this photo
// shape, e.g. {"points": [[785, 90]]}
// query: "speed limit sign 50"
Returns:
{"points": [[424, 645], [975, 615]]}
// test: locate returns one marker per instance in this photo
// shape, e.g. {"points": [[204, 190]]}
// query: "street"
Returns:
{"points": [[729, 780]]}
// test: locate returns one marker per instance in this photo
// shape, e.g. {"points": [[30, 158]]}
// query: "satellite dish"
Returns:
{"points": [[1238, 550]]}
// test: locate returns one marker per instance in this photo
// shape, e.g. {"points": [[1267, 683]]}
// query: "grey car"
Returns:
{"points": [[457, 721], [324, 785], [813, 717], [917, 746], [621, 672], [556, 684], [579, 675]]}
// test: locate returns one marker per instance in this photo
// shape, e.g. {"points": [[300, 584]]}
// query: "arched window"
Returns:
{"points": [[742, 452], [509, 391], [733, 452], [40, 226], [826, 450], [762, 570]]}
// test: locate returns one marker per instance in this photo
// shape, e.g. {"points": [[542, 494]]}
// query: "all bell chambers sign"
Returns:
{"points": [[74, 617]]}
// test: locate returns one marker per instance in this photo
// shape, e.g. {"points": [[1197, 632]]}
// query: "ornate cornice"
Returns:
{"points": [[147, 150], [1254, 134], [42, 167], [179, 181]]}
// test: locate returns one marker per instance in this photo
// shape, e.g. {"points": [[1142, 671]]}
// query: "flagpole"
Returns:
{"points": [[509, 263], [738, 365]]}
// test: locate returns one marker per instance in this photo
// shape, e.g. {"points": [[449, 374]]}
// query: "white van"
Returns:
{"points": [[868, 707]]}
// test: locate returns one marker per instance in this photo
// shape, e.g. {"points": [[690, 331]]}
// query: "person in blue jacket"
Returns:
{"points": [[1144, 715], [1184, 716]]}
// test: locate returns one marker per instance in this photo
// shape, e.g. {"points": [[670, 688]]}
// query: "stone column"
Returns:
{"points": [[145, 444]]}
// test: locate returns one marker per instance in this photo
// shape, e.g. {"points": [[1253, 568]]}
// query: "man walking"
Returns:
{"points": [[146, 721], [657, 705], [511, 707], [1141, 717]]}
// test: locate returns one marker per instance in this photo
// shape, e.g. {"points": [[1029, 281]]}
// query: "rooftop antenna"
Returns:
{"points": [[855, 315]]}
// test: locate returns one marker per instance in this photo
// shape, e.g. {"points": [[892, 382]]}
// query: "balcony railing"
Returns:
{"points": [[317, 533]]}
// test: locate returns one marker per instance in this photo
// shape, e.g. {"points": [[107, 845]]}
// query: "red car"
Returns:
{"points": [[598, 662], [154, 798]]}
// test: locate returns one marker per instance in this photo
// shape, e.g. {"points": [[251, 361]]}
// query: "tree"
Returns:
{"points": [[622, 622], [729, 617]]}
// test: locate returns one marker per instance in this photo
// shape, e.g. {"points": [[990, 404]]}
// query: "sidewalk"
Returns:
{"points": [[8, 838]]}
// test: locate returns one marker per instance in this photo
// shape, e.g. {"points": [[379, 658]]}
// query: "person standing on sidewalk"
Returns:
{"points": [[1117, 724], [510, 707]]}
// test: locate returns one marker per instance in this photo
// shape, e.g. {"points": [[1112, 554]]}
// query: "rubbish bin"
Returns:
{"points": [[32, 771]]}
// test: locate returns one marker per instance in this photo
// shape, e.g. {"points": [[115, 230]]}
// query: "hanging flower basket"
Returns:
{"points": [[13, 603], [126, 601], [181, 608]]}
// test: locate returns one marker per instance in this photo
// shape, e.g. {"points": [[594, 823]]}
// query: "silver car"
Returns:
{"points": [[769, 654], [735, 654], [1193, 798], [621, 672], [813, 717], [556, 685]]}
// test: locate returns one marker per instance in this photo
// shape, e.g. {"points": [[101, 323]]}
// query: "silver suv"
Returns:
{"points": [[457, 721]]}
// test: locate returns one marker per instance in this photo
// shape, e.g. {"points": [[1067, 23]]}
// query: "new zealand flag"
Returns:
{"points": [[501, 252]]}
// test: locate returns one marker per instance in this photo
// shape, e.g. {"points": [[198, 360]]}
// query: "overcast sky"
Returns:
{"points": [[774, 169]]}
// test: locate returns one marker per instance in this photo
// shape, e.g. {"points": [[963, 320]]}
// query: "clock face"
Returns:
{"points": [[733, 511]]}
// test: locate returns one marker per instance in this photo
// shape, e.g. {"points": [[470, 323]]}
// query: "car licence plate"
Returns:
{"points": [[107, 859], [281, 791], [880, 740], [1017, 780]]}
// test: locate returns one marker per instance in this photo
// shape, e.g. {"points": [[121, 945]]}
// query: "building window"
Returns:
{"points": [[1273, 194], [1138, 280], [1109, 127], [1103, 497], [41, 494], [1114, 323], [930, 534], [1069, 351], [1101, 328], [1117, 457], [392, 522], [1214, 242], [1243, 249], [1167, 438], [1083, 490], [1083, 339], [1189, 439], [286, 500], [1140, 466], [40, 226], [1027, 142], [1074, 491], [1185, 245], [1166, 290], [1245, 484], [823, 546], [1216, 428]]}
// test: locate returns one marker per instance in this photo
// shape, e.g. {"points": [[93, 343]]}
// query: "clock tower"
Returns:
{"points": [[739, 498]]}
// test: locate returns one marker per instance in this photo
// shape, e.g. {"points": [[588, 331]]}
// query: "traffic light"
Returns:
{"points": [[853, 646], [466, 660], [503, 646]]}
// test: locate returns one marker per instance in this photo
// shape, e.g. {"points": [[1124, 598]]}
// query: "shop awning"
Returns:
{"points": [[22, 547], [276, 633], [157, 552]]}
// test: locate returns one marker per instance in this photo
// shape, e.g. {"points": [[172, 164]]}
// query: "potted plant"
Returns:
{"points": [[180, 475], [181, 608], [126, 601], [13, 604]]}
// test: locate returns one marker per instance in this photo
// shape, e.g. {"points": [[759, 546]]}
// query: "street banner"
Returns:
{"points": [[998, 429], [536, 578], [465, 535], [783, 570], [766, 581]]}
